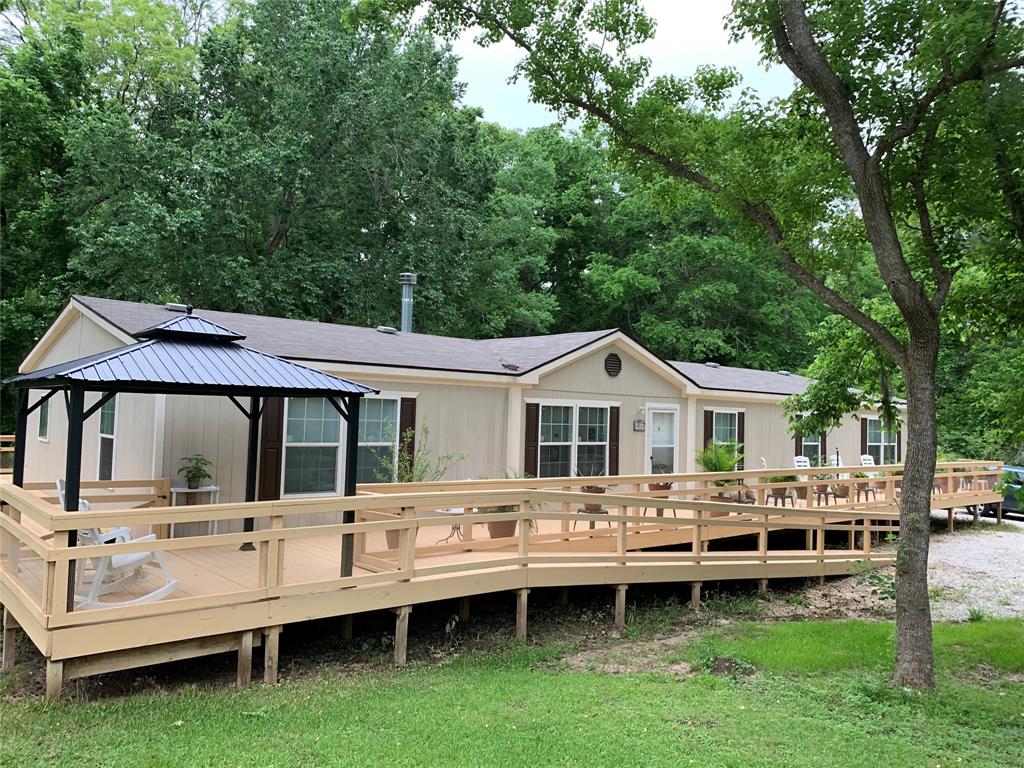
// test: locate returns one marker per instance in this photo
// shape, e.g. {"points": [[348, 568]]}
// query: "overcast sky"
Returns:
{"points": [[689, 33]]}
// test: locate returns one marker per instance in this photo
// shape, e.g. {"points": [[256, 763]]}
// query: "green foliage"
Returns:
{"points": [[719, 457], [195, 468], [418, 461], [881, 583], [814, 677]]}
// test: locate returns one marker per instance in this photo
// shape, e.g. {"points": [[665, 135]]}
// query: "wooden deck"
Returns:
{"points": [[231, 599]]}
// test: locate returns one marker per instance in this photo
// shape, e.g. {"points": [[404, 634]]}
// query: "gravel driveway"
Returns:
{"points": [[977, 569]]}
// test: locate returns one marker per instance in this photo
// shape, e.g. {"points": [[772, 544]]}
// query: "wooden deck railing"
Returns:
{"points": [[294, 573], [6, 454]]}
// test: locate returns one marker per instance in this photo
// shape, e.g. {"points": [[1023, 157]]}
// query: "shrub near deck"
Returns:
{"points": [[522, 707]]}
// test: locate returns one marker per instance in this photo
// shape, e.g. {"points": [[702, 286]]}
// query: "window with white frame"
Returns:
{"points": [[108, 428], [811, 448], [725, 427], [44, 421], [377, 459], [881, 442], [573, 440], [312, 446]]}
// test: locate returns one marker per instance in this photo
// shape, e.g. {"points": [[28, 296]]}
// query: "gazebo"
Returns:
{"points": [[185, 355]]}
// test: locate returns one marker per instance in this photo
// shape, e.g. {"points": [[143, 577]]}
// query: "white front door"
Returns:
{"points": [[662, 448]]}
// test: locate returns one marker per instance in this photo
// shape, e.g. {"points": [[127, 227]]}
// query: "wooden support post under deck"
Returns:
{"points": [[521, 604], [463, 609], [951, 515], [999, 512], [271, 644], [563, 596], [402, 634], [695, 595], [620, 605], [762, 586], [346, 627], [821, 550], [244, 676], [54, 679], [10, 641]]}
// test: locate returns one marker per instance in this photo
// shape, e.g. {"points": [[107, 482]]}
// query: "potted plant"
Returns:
{"points": [[660, 469], [416, 462], [591, 488], [720, 457], [195, 469], [861, 484], [503, 529], [783, 492]]}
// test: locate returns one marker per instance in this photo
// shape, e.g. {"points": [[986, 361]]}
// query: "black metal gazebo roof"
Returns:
{"points": [[190, 355], [186, 355]]}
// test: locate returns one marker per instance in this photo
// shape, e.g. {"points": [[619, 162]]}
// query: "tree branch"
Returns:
{"points": [[976, 70], [756, 213]]}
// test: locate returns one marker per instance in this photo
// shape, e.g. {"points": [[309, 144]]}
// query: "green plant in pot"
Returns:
{"points": [[417, 462], [660, 469], [503, 529], [195, 469], [591, 487], [862, 481], [784, 491], [720, 457]]}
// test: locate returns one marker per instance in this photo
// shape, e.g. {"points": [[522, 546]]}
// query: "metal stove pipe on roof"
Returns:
{"points": [[407, 280]]}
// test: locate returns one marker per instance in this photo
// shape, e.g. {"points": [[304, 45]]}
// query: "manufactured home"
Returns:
{"points": [[589, 403]]}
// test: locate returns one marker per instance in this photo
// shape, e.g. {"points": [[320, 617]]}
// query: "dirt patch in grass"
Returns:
{"points": [[657, 655]]}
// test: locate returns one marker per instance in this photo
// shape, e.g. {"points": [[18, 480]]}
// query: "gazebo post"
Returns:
{"points": [[20, 435], [351, 455], [73, 475], [251, 460]]}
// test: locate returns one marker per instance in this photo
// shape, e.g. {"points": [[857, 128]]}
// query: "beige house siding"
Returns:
{"points": [[461, 419], [134, 446], [636, 387]]}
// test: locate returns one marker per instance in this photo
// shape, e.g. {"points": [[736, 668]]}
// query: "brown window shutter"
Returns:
{"points": [[823, 449], [863, 436], [798, 442], [899, 447], [531, 455], [613, 440], [271, 450], [709, 428], [407, 422]]}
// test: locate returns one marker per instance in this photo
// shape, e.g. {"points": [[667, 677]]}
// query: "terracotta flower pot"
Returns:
{"points": [[592, 489], [502, 529]]}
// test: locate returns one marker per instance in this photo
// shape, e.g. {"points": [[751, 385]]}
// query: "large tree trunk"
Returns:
{"points": [[914, 666]]}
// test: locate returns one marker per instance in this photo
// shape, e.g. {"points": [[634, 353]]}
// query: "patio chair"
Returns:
{"points": [[115, 572]]}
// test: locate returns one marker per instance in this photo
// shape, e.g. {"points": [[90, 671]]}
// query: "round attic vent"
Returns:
{"points": [[613, 364]]}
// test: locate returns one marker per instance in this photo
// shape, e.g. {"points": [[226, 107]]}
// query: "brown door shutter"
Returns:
{"points": [[613, 440], [798, 442], [741, 436], [407, 422], [899, 447], [709, 428], [271, 447], [531, 455], [863, 436]]}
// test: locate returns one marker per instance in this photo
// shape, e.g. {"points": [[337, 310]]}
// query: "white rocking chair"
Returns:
{"points": [[115, 572]]}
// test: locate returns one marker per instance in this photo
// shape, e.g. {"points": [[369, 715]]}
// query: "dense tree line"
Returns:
{"points": [[291, 158]]}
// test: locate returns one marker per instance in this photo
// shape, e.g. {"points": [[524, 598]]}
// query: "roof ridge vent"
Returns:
{"points": [[709, 364], [387, 329], [784, 373]]}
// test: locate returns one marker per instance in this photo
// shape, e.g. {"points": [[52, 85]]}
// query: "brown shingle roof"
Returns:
{"points": [[327, 342], [727, 378]]}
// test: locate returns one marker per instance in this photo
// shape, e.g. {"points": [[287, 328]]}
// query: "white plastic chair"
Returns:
{"points": [[114, 572]]}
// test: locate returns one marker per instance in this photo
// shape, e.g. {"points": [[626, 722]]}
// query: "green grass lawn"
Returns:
{"points": [[816, 695]]}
